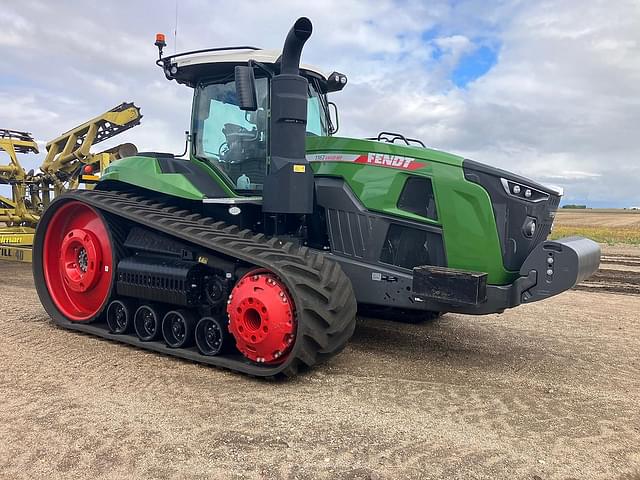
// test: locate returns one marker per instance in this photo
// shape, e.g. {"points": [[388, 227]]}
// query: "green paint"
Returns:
{"points": [[464, 208], [356, 145], [145, 172]]}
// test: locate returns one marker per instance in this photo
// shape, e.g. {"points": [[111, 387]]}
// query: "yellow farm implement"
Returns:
{"points": [[68, 164]]}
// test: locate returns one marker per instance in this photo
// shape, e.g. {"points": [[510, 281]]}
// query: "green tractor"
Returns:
{"points": [[255, 251]]}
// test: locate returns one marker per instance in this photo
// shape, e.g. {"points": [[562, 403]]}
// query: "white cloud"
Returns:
{"points": [[562, 104]]}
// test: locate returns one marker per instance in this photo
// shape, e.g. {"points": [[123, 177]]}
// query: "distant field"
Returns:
{"points": [[602, 225]]}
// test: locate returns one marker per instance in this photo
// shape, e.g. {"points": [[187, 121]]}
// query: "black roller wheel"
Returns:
{"points": [[216, 291], [212, 336], [147, 322], [120, 316], [177, 328]]}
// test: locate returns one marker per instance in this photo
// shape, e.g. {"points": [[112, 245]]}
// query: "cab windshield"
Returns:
{"points": [[235, 141], [316, 116]]}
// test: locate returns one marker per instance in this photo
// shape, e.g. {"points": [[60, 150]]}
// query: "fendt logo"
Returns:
{"points": [[380, 159], [392, 161]]}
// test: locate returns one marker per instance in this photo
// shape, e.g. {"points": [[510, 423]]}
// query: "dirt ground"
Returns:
{"points": [[545, 391]]}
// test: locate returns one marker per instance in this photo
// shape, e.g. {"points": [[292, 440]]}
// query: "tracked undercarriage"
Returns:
{"points": [[321, 299]]}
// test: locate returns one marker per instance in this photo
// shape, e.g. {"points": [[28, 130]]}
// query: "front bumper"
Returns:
{"points": [[551, 268]]}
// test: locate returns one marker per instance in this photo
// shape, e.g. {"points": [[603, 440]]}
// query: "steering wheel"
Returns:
{"points": [[224, 148]]}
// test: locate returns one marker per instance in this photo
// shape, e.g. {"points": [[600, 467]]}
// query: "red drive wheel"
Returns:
{"points": [[77, 261], [262, 317]]}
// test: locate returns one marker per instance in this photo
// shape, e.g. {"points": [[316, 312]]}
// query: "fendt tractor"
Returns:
{"points": [[254, 252]]}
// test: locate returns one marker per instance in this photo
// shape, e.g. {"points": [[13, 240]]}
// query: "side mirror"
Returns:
{"points": [[246, 88], [333, 117]]}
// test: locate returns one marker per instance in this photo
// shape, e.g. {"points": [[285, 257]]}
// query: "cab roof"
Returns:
{"points": [[190, 67]]}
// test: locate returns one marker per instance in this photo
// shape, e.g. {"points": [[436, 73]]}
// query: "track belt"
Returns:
{"points": [[322, 293]]}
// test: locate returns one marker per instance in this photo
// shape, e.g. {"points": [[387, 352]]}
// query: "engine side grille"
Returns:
{"points": [[348, 231]]}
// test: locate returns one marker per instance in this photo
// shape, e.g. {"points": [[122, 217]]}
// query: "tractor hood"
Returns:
{"points": [[378, 150], [523, 209], [384, 153]]}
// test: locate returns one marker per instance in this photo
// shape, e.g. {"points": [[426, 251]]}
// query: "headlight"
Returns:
{"points": [[523, 192], [529, 228]]}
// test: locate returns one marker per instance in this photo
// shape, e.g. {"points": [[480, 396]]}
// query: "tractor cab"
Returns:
{"points": [[235, 138]]}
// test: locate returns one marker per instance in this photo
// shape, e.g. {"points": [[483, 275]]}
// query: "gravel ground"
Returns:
{"points": [[546, 391]]}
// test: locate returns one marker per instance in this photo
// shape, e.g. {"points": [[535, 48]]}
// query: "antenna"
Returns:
{"points": [[175, 31]]}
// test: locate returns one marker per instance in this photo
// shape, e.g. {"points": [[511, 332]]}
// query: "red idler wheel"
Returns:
{"points": [[262, 317], [78, 261]]}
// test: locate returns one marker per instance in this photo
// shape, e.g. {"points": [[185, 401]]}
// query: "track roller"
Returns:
{"points": [[147, 322], [216, 291], [120, 316], [212, 336], [178, 327]]}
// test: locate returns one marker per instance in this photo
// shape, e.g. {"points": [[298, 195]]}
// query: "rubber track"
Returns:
{"points": [[324, 299]]}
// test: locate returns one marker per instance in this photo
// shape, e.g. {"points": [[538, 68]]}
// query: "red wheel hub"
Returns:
{"points": [[77, 261], [262, 317], [80, 255]]}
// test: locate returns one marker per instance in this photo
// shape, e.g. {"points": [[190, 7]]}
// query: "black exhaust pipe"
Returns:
{"points": [[296, 38], [288, 187]]}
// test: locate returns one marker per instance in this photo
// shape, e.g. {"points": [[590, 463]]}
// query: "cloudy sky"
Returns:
{"points": [[547, 89]]}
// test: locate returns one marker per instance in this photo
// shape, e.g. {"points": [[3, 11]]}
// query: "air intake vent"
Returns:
{"points": [[348, 231], [408, 247], [417, 197]]}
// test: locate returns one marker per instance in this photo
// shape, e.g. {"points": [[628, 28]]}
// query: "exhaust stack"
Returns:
{"points": [[293, 44], [288, 187]]}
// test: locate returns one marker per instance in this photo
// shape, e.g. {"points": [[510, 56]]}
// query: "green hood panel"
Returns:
{"points": [[356, 145], [465, 212], [145, 172]]}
